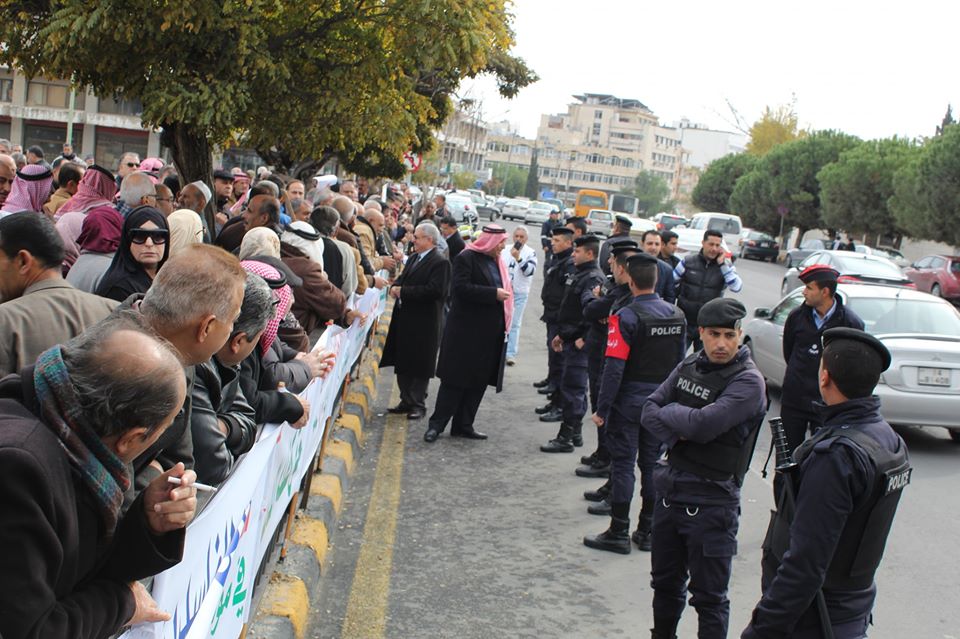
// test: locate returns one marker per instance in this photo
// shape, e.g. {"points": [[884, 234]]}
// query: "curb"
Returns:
{"points": [[284, 609]]}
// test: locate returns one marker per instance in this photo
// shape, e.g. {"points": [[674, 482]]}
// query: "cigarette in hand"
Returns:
{"points": [[204, 488]]}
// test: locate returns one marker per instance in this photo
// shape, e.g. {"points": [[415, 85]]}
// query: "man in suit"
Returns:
{"points": [[474, 338], [414, 335], [451, 233]]}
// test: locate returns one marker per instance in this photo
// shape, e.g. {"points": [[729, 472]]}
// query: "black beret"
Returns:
{"points": [[842, 333], [641, 258], [562, 230], [627, 246], [623, 220], [586, 239], [819, 273], [221, 174], [722, 312]]}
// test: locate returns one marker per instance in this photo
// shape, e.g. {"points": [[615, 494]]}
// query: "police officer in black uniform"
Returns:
{"points": [[608, 298], [546, 235], [646, 341], [707, 412], [620, 234], [570, 341], [851, 475], [554, 284], [821, 310]]}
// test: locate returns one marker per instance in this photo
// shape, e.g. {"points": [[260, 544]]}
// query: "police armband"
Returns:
{"points": [[617, 347]]}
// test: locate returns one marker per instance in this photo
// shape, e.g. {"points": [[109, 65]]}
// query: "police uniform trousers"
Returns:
{"points": [[595, 360], [629, 443], [457, 403], [554, 359], [856, 629], [695, 543], [573, 384]]}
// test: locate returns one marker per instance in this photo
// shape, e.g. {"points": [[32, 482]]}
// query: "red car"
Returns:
{"points": [[937, 274]]}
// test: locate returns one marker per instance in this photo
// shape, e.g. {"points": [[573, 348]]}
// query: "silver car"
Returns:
{"points": [[600, 221], [853, 267], [539, 212], [922, 332], [515, 209]]}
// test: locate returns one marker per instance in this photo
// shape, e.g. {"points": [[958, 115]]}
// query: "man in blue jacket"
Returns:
{"points": [[707, 412]]}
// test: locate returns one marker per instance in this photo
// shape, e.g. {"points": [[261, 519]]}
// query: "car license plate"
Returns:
{"points": [[933, 376], [765, 244]]}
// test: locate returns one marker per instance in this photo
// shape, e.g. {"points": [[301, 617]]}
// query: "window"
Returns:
{"points": [[937, 263], [598, 115], [814, 258], [6, 86], [924, 263], [120, 107], [113, 143], [52, 94], [49, 138], [596, 129], [780, 313]]}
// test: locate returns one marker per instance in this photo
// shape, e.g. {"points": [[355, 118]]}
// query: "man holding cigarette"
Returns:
{"points": [[69, 427]]}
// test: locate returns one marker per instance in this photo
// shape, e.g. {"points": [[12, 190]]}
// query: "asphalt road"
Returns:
{"points": [[483, 539]]}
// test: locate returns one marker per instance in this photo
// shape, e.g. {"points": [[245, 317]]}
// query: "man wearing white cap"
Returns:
{"points": [[195, 196]]}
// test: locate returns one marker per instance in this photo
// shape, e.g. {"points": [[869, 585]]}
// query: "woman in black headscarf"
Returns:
{"points": [[143, 250]]}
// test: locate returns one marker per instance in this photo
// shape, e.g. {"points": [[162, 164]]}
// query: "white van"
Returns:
{"points": [[727, 224]]}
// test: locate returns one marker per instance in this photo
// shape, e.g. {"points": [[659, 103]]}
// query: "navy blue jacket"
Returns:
{"points": [[834, 480], [554, 280], [571, 324], [598, 309], [626, 399], [801, 352], [666, 284], [738, 406]]}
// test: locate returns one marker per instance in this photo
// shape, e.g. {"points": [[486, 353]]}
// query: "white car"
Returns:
{"points": [[922, 332], [539, 212], [515, 209], [600, 222]]}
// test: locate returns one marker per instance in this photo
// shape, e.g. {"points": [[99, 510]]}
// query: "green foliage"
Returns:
{"points": [[464, 180], [947, 120], [651, 191], [715, 186], [363, 80], [775, 127], [935, 190], [513, 179], [752, 201], [856, 189], [532, 187], [908, 204]]}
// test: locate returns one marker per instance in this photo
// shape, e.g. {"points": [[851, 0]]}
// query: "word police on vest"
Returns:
{"points": [[666, 331], [691, 387], [898, 481]]}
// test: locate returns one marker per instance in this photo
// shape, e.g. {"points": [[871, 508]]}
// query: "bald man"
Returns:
{"points": [[8, 171], [347, 233]]}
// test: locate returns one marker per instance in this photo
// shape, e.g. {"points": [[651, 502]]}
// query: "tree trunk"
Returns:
{"points": [[193, 158], [800, 233]]}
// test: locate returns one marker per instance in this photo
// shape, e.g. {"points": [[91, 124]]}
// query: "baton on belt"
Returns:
{"points": [[787, 469]]}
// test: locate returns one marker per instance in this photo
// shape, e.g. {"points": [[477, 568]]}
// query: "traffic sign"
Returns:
{"points": [[412, 161]]}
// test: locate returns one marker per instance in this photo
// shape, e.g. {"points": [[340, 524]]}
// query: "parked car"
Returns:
{"points": [[462, 209], [853, 267], [600, 221], [690, 244], [727, 224], [797, 255], [515, 209], [888, 252], [759, 245], [499, 202], [938, 275], [480, 206], [539, 211], [666, 221], [922, 332]]}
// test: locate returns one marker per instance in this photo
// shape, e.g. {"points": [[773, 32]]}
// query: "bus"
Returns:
{"points": [[589, 199], [627, 204]]}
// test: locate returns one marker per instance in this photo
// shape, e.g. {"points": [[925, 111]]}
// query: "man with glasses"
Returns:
{"points": [[165, 199], [129, 163], [136, 190]]}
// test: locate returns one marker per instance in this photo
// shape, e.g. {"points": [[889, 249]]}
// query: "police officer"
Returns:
{"points": [[821, 310], [702, 277], [646, 341], [620, 233], [850, 476], [546, 235], [608, 298], [707, 412], [551, 295], [570, 342]]}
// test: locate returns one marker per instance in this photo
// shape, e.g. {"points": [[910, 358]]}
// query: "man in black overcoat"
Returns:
{"points": [[474, 339], [414, 336]]}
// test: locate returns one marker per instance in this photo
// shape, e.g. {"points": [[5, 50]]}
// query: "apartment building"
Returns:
{"points": [[36, 112]]}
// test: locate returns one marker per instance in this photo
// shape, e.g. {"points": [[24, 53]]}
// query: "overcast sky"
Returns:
{"points": [[872, 69]]}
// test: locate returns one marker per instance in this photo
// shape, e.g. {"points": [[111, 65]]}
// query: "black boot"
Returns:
{"points": [[562, 443], [664, 627], [546, 408], [602, 508], [543, 382], [596, 469], [555, 415], [643, 536], [616, 537], [587, 460], [578, 435], [548, 390], [599, 494]]}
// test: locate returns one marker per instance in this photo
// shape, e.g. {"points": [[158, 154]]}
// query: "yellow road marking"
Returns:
{"points": [[366, 616]]}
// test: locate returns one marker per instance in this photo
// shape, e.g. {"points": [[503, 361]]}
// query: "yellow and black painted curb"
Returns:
{"points": [[283, 612]]}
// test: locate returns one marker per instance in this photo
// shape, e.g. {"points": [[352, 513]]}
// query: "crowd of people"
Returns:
{"points": [[145, 348]]}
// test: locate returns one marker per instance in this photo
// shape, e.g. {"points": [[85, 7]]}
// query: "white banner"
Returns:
{"points": [[209, 592]]}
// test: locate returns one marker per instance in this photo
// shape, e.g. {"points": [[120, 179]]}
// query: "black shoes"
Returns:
{"points": [[431, 436], [467, 434], [562, 443], [587, 460], [543, 382], [602, 508], [399, 409], [555, 415], [597, 469], [546, 408], [416, 413], [613, 539], [643, 536], [599, 494], [577, 440], [547, 390]]}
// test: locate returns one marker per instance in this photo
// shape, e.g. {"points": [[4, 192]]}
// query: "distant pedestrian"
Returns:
{"points": [[521, 264], [620, 233], [702, 277], [668, 248]]}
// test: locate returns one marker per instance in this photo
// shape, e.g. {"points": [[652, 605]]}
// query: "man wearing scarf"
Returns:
{"points": [[69, 426], [97, 188], [474, 338], [30, 190]]}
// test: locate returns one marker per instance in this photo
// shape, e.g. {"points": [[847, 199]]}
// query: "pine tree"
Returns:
{"points": [[532, 190], [947, 120]]}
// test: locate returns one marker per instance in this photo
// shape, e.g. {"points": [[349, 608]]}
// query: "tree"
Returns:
{"points": [[362, 80], [751, 200], [532, 188], [713, 191], [793, 169], [908, 202], [775, 127], [856, 189], [464, 180], [512, 178], [947, 120], [935, 189], [651, 191]]}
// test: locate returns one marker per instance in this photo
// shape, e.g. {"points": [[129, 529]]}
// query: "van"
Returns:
{"points": [[589, 199], [726, 223]]}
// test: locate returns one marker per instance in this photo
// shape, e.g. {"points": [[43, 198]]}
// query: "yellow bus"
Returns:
{"points": [[589, 199]]}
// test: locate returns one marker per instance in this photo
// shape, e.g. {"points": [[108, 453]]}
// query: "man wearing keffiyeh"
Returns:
{"points": [[69, 426]]}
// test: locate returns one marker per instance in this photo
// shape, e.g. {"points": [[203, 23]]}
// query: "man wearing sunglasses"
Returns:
{"points": [[129, 162]]}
